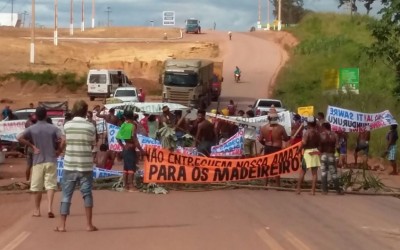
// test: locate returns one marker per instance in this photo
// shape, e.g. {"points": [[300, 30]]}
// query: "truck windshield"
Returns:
{"points": [[125, 93], [191, 21], [180, 79], [98, 78]]}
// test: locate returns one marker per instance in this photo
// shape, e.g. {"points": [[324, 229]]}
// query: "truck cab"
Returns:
{"points": [[188, 82], [193, 26]]}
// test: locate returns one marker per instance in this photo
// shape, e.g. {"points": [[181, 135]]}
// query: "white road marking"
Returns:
{"points": [[296, 242], [17, 241], [268, 240]]}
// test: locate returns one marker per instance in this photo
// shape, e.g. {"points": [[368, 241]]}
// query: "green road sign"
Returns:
{"points": [[349, 79]]}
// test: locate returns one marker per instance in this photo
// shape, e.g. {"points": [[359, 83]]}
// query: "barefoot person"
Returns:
{"points": [[328, 145], [272, 136], [78, 164], [391, 151], [362, 145], [127, 139], [43, 139], [310, 144]]}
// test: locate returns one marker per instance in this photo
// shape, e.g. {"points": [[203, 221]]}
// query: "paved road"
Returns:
{"points": [[226, 219]]}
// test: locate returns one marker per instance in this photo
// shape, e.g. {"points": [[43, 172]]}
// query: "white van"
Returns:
{"points": [[103, 82]]}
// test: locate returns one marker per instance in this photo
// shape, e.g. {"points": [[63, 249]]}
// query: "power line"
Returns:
{"points": [[5, 5], [108, 15]]}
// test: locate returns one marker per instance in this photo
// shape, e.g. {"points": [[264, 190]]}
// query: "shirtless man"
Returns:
{"points": [[310, 144], [297, 130], [105, 158], [127, 133], [362, 145], [272, 136], [110, 117], [167, 118], [328, 145], [205, 135]]}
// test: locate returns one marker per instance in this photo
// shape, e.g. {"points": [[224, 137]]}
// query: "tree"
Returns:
{"points": [[367, 4], [386, 32], [292, 11]]}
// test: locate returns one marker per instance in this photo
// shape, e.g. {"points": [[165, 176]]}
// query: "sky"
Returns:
{"points": [[236, 15]]}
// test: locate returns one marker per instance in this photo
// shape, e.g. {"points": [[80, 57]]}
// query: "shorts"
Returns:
{"points": [[44, 175], [70, 180], [392, 153], [249, 147], [204, 147], [129, 157], [343, 150], [270, 149], [362, 147]]}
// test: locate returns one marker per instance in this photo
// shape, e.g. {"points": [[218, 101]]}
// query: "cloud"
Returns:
{"points": [[228, 14]]}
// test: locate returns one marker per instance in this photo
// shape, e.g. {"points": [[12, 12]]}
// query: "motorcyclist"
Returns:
{"points": [[237, 73]]}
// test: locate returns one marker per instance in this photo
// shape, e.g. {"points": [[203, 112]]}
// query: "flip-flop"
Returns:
{"points": [[58, 230], [51, 215], [93, 229]]}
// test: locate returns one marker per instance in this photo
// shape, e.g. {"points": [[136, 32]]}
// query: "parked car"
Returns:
{"points": [[264, 105], [126, 94]]}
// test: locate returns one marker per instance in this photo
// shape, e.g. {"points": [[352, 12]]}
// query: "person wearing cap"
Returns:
{"points": [[141, 95], [311, 155], [43, 139], [272, 136]]}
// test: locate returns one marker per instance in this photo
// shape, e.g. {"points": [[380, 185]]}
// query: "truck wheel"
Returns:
{"points": [[92, 98]]}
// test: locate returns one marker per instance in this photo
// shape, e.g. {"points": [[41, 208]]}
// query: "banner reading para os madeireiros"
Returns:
{"points": [[353, 121], [163, 166]]}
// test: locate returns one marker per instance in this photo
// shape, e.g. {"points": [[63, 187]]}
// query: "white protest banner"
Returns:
{"points": [[353, 121], [234, 146], [112, 132], [9, 130], [145, 141], [113, 143], [98, 173], [187, 151], [285, 119]]}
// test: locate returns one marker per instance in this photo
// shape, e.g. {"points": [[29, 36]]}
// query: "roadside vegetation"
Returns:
{"points": [[69, 80], [332, 41]]}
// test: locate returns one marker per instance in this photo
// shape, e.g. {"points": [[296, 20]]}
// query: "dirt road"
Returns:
{"points": [[228, 219]]}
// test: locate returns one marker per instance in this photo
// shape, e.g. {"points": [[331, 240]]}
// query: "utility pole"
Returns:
{"points": [[108, 15], [259, 15], [32, 52], [279, 14], [93, 13], [55, 22], [25, 13], [268, 10], [12, 13], [83, 16], [71, 22]]}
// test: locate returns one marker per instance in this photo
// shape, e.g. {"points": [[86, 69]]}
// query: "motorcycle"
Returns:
{"points": [[237, 77]]}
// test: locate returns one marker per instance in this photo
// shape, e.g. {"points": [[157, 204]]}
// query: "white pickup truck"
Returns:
{"points": [[126, 94], [261, 106]]}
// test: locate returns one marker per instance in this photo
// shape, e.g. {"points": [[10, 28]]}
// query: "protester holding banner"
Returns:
{"points": [[46, 142], [127, 139], [78, 164], [391, 151], [272, 136], [205, 135], [311, 154], [363, 138], [328, 145]]}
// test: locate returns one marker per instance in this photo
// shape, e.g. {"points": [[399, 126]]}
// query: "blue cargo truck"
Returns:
{"points": [[193, 26]]}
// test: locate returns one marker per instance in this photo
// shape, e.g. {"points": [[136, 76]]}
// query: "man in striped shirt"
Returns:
{"points": [[78, 163]]}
